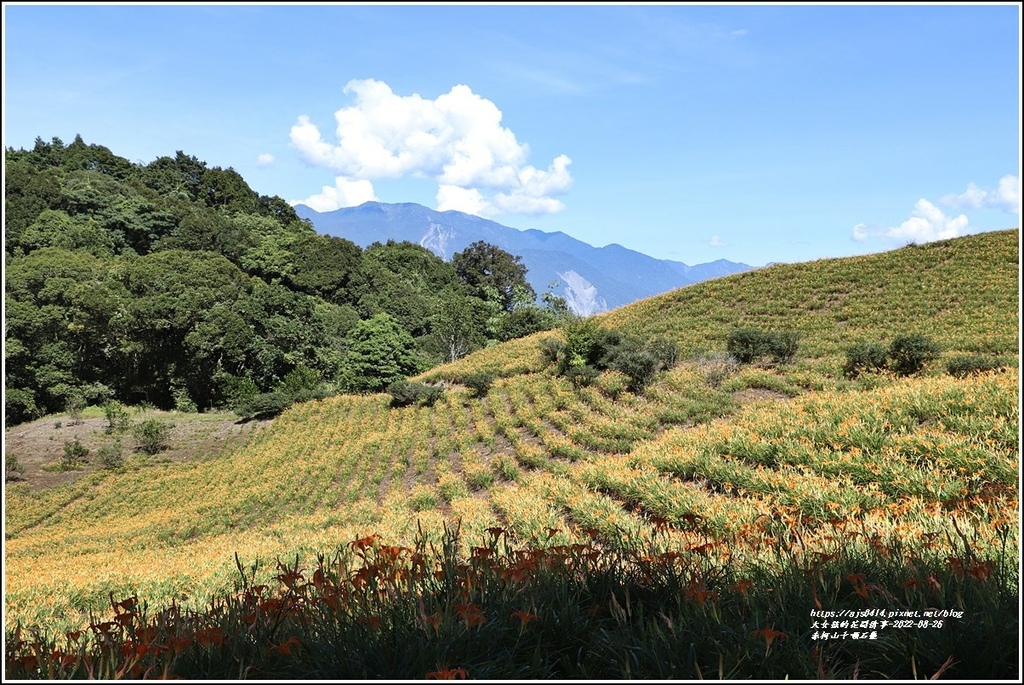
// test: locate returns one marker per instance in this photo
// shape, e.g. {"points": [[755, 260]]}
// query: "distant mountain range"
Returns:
{"points": [[591, 279]]}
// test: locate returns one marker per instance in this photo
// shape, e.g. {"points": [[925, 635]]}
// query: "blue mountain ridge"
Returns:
{"points": [[591, 279]]}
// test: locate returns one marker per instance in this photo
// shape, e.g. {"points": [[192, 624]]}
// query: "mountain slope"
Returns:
{"points": [[549, 460], [592, 279]]}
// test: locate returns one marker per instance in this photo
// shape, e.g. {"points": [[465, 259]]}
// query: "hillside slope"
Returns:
{"points": [[709, 454]]}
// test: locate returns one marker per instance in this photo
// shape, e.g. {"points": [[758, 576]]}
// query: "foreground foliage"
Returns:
{"points": [[373, 610]]}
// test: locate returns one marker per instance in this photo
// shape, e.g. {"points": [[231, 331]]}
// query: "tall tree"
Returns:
{"points": [[482, 266], [379, 352]]}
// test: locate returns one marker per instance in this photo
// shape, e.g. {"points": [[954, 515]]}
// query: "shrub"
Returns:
{"points": [[748, 344], [966, 365], [74, 405], [716, 367], [183, 402], [639, 365], [479, 383], [117, 417], [665, 351], [581, 345], [406, 393], [783, 346], [13, 470], [75, 455], [582, 376], [110, 456], [265, 405], [909, 353], [152, 435], [865, 356], [551, 350]]}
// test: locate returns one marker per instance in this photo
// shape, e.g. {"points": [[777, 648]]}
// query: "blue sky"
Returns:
{"points": [[754, 133]]}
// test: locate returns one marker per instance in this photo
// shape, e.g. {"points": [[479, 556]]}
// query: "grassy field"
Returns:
{"points": [[739, 472]]}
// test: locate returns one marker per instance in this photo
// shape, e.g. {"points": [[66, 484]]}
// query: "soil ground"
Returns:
{"points": [[41, 443]]}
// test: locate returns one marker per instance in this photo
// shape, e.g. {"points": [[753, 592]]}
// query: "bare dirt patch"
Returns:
{"points": [[750, 395], [41, 443]]}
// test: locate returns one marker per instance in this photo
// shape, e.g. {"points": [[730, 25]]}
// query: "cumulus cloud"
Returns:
{"points": [[344, 193], [1006, 196], [265, 160], [717, 242], [926, 223], [455, 140]]}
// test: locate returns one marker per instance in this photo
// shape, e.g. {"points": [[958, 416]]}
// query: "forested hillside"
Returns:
{"points": [[175, 284]]}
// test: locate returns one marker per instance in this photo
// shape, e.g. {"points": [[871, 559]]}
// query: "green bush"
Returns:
{"points": [[552, 350], [582, 376], [783, 346], [909, 353], [748, 344], [117, 417], [152, 435], [13, 470], [74, 405], [479, 383], [966, 365], [265, 405], [591, 349], [581, 345], [76, 455], [407, 393], [665, 351], [864, 357], [639, 365], [110, 456]]}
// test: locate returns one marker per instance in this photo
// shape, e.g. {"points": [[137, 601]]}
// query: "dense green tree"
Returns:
{"points": [[173, 293], [28, 191], [378, 352], [402, 279], [57, 228], [456, 327], [482, 266], [62, 314]]}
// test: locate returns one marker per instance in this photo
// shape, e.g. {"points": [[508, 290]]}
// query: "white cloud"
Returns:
{"points": [[456, 141], [265, 160], [468, 200], [1005, 197], [344, 193], [716, 241], [926, 223]]}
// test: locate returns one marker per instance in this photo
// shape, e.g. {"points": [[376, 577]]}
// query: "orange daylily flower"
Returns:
{"points": [[524, 617], [742, 585], [285, 648], [447, 674], [770, 635], [471, 614]]}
